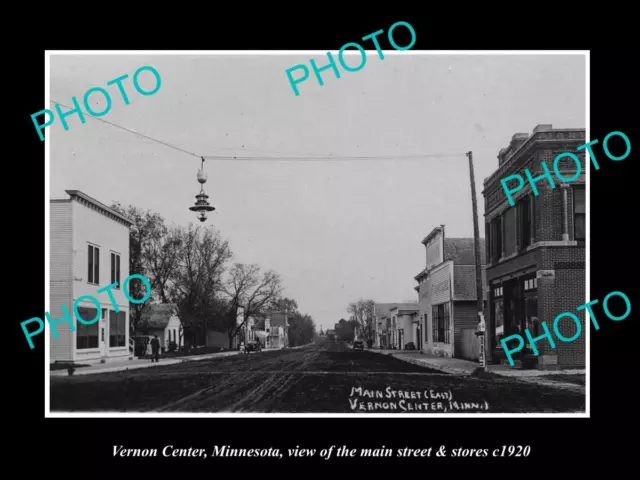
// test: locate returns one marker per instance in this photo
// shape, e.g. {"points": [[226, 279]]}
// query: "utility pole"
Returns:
{"points": [[479, 290]]}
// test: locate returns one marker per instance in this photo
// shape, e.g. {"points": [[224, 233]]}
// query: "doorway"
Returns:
{"points": [[104, 335], [418, 337]]}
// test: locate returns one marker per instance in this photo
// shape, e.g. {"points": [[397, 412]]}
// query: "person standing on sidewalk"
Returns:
{"points": [[155, 349]]}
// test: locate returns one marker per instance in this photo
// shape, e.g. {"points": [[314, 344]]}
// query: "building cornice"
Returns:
{"points": [[93, 204], [537, 139]]}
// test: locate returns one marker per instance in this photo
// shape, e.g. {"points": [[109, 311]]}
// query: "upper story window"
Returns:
{"points": [[497, 292], [530, 284], [115, 269], [579, 213], [495, 239], [509, 229], [93, 275], [525, 219]]}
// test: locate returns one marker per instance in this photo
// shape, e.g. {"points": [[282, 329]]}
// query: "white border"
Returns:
{"points": [[49, 414]]}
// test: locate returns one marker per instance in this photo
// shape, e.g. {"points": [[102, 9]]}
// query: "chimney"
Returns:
{"points": [[543, 128], [501, 155], [517, 140]]}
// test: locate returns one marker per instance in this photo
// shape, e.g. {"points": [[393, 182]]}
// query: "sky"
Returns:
{"points": [[336, 231]]}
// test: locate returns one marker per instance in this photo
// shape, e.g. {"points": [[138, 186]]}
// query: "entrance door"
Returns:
{"points": [[103, 334], [401, 339], [418, 338]]}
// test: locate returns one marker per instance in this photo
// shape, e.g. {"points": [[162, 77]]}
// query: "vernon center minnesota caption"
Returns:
{"points": [[172, 451]]}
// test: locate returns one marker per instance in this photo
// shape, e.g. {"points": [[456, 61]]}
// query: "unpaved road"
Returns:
{"points": [[313, 379]]}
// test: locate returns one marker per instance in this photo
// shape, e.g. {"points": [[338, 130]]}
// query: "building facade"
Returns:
{"points": [[448, 312], [380, 315], [89, 250], [536, 249], [161, 320], [276, 327], [395, 325]]}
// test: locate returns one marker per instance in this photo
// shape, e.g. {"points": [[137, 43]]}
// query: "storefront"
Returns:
{"points": [[514, 308]]}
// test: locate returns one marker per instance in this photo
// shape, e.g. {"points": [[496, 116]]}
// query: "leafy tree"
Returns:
{"points": [[288, 306], [302, 329], [345, 330]]}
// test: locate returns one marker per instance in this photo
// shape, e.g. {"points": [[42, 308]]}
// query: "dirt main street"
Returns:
{"points": [[320, 378]]}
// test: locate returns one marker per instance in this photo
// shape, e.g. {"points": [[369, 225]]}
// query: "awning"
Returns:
{"points": [[261, 334]]}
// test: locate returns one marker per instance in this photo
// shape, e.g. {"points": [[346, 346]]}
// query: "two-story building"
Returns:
{"points": [[536, 249], [277, 329], [448, 311], [380, 315], [396, 325], [89, 249]]}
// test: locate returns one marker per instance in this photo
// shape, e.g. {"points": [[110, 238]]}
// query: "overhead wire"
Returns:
{"points": [[279, 157]]}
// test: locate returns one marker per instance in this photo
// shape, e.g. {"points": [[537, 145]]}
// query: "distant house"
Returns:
{"points": [[396, 324], [277, 329], [89, 249], [161, 320], [447, 295]]}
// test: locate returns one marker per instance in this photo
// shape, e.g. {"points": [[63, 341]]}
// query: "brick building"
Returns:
{"points": [[536, 249]]}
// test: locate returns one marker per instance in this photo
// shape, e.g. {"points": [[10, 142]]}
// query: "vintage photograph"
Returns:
{"points": [[219, 245]]}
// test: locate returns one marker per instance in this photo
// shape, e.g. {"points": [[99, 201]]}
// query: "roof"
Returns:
{"points": [[382, 309], [405, 306], [102, 208], [464, 282], [157, 316], [462, 251]]}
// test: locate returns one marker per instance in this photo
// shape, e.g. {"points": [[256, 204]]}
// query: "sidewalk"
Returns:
{"points": [[456, 366], [139, 363]]}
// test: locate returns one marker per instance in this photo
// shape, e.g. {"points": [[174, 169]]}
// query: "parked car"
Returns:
{"points": [[358, 345], [410, 346], [252, 347]]}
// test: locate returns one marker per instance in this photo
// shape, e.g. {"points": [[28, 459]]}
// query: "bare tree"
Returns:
{"points": [[161, 257], [196, 285], [362, 313], [252, 291], [148, 228]]}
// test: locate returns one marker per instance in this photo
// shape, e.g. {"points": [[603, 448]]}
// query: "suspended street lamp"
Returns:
{"points": [[202, 205]]}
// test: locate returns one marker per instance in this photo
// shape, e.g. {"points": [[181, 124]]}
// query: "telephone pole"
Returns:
{"points": [[479, 290]]}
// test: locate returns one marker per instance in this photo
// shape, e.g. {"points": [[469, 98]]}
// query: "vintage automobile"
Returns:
{"points": [[252, 347], [358, 345]]}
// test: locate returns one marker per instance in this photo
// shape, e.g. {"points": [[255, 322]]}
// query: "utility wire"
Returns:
{"points": [[297, 158], [133, 131]]}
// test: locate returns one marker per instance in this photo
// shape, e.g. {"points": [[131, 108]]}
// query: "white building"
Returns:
{"points": [[161, 320], [89, 250], [276, 327]]}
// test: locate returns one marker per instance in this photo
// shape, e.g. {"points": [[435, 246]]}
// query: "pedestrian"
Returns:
{"points": [[155, 349]]}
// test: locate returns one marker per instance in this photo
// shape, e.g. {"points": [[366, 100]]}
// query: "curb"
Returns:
{"points": [[440, 368]]}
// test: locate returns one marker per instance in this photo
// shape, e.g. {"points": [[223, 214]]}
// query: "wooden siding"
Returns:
{"points": [[92, 226], [60, 258], [465, 317]]}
